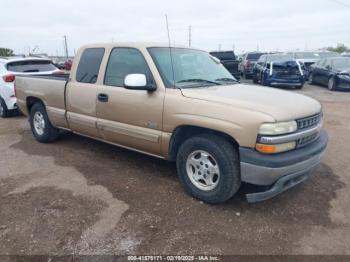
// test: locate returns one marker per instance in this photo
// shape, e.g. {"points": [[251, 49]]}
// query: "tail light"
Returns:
{"points": [[9, 78], [247, 64], [58, 72]]}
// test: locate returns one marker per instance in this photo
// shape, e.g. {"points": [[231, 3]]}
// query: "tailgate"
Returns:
{"points": [[231, 65]]}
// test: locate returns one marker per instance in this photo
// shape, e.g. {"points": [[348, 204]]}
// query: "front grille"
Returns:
{"points": [[310, 121]]}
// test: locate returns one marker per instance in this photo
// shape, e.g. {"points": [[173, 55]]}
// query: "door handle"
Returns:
{"points": [[102, 98]]}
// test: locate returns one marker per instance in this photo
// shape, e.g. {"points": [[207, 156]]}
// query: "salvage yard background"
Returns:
{"points": [[80, 196]]}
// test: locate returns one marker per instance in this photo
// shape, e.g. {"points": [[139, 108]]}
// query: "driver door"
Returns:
{"points": [[130, 118]]}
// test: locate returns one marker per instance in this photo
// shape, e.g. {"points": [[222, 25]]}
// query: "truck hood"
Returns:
{"points": [[279, 104]]}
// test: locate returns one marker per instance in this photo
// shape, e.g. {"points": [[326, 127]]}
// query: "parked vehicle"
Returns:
{"points": [[306, 59], [182, 106], [68, 64], [278, 70], [229, 60], [332, 72], [248, 62], [10, 68], [326, 54]]}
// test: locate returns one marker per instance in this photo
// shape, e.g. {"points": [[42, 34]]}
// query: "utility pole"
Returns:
{"points": [[189, 36], [65, 45]]}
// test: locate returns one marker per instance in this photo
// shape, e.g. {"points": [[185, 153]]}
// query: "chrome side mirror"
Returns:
{"points": [[137, 82]]}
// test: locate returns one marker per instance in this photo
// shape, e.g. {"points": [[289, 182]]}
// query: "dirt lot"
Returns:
{"points": [[81, 196]]}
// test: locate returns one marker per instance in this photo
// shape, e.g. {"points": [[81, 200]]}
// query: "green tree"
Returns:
{"points": [[5, 52], [340, 48]]}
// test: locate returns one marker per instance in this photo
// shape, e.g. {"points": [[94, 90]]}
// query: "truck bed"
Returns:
{"points": [[50, 89]]}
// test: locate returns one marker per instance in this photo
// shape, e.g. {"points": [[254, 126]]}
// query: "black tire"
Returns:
{"points": [[255, 79], [227, 160], [311, 79], [4, 112], [331, 83], [299, 87], [49, 132]]}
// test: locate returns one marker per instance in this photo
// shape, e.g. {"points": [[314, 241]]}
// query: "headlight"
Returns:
{"points": [[278, 128], [344, 76]]}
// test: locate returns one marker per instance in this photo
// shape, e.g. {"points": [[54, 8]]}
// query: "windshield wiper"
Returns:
{"points": [[226, 79], [198, 80]]}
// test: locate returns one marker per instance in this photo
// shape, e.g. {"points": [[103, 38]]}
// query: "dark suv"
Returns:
{"points": [[248, 62], [278, 70]]}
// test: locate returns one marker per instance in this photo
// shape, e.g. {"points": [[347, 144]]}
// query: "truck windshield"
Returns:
{"points": [[189, 68]]}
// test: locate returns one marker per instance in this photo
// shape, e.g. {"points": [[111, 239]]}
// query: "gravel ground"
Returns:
{"points": [[80, 196]]}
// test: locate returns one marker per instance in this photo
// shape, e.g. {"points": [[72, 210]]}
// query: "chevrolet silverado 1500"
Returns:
{"points": [[182, 105]]}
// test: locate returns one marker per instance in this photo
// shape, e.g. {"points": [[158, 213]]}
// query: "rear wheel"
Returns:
{"points": [[255, 79], [41, 126], [4, 112], [331, 83], [208, 168]]}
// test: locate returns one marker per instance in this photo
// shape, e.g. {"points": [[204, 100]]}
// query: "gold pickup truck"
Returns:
{"points": [[182, 105]]}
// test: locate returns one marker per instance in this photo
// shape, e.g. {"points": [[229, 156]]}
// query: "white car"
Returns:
{"points": [[12, 66]]}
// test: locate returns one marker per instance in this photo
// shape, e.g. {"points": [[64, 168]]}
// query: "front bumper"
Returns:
{"points": [[343, 83], [280, 171], [11, 103]]}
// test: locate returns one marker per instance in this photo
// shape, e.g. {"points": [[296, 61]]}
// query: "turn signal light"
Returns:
{"points": [[272, 149], [9, 78], [269, 149]]}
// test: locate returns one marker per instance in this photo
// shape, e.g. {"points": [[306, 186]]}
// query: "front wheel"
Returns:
{"points": [[331, 83], [41, 126], [208, 168]]}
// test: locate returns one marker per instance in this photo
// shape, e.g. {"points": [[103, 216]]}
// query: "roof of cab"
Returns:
{"points": [[133, 44]]}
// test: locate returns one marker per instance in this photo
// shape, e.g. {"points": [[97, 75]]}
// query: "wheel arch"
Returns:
{"points": [[183, 132], [32, 100]]}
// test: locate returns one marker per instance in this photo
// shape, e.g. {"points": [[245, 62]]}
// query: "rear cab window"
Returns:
{"points": [[89, 65], [30, 66]]}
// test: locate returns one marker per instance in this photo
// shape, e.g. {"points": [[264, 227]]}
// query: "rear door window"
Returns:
{"points": [[89, 65], [30, 66]]}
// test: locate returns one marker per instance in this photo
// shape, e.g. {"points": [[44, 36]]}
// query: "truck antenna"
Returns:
{"points": [[170, 52]]}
